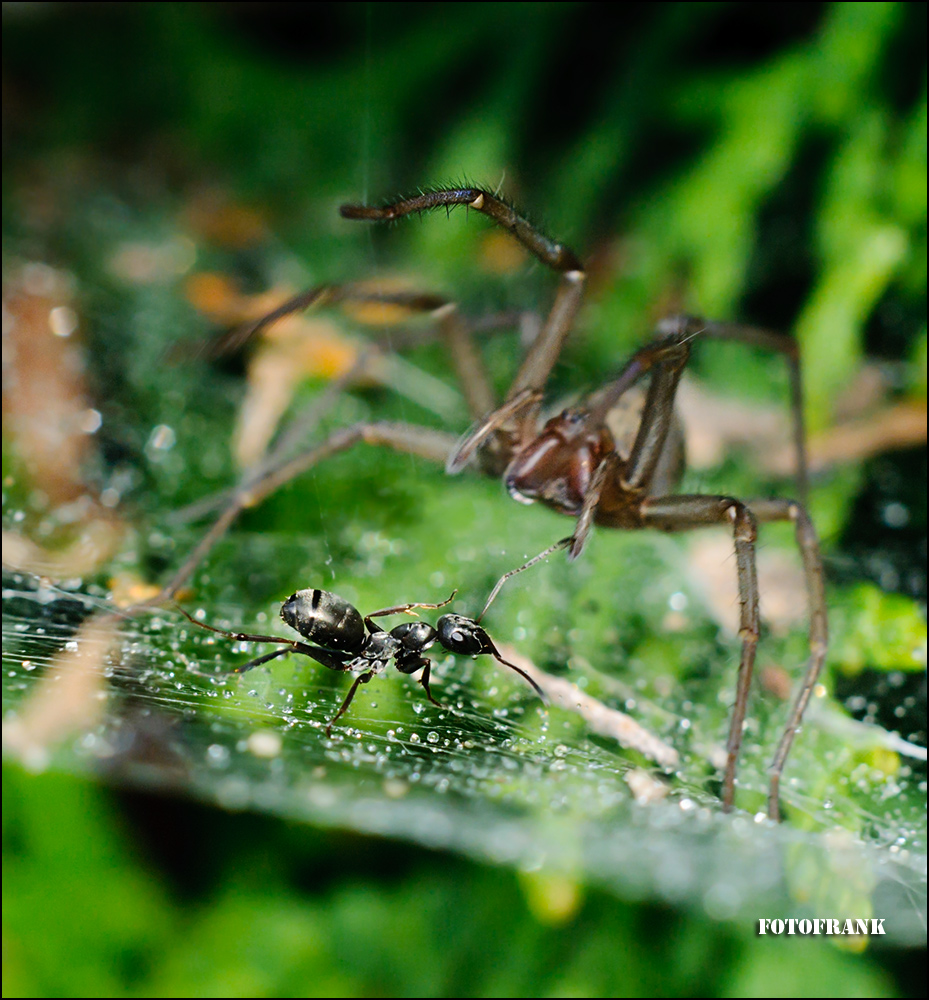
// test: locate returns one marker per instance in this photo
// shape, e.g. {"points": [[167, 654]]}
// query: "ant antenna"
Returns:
{"points": [[564, 543]]}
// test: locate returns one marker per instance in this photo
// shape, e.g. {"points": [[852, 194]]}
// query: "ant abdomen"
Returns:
{"points": [[326, 619]]}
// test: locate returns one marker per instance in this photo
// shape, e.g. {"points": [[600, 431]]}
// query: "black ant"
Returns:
{"points": [[340, 642]]}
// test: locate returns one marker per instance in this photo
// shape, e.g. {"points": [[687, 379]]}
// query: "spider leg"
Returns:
{"points": [[325, 295], [466, 360], [617, 485], [682, 513], [556, 255], [499, 584], [807, 542], [451, 328], [515, 421], [772, 341], [490, 429], [408, 438], [665, 359]]}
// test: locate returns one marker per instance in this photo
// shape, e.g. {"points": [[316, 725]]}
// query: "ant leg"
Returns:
{"points": [[424, 680], [410, 661], [682, 513], [807, 542], [404, 608], [333, 659], [507, 431], [257, 662], [361, 679], [241, 636]]}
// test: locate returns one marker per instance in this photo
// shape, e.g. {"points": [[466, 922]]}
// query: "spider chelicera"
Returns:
{"points": [[336, 630], [614, 461]]}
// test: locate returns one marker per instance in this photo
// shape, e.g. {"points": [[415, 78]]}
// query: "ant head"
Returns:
{"points": [[463, 635]]}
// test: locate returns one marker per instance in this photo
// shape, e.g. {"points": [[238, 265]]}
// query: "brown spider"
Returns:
{"points": [[615, 460]]}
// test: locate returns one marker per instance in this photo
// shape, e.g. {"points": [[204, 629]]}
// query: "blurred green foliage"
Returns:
{"points": [[293, 914], [752, 161]]}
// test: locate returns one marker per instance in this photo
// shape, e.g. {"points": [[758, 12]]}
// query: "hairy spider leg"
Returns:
{"points": [[499, 432], [683, 513]]}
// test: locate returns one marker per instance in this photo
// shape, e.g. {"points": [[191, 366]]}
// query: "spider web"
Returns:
{"points": [[150, 700], [494, 774]]}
